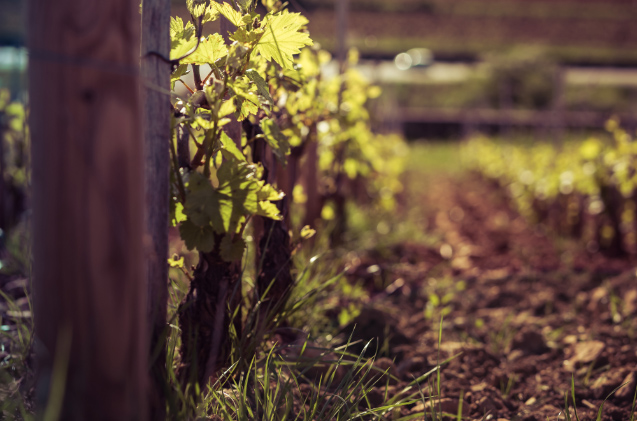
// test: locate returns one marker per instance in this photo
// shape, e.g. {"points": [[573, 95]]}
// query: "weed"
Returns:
{"points": [[600, 410]]}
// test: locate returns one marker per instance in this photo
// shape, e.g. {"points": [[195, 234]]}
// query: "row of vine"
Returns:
{"points": [[586, 190], [260, 127]]}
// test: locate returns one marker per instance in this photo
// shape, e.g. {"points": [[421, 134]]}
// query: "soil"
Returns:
{"points": [[523, 313]]}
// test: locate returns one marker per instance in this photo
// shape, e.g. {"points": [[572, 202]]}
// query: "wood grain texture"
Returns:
{"points": [[88, 205], [156, 131]]}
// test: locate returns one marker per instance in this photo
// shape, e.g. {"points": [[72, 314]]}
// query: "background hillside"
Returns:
{"points": [[589, 31]]}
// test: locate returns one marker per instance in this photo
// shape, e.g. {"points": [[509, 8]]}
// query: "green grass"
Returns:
{"points": [[16, 375]]}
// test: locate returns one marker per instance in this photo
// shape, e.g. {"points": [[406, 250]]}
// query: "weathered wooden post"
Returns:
{"points": [[88, 198], [557, 104], [156, 131], [342, 17]]}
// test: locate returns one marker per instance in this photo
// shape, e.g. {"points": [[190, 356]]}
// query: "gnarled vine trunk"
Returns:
{"points": [[205, 318], [275, 251]]}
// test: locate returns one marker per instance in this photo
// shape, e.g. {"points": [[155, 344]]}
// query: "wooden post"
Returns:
{"points": [[342, 17], [558, 104], [88, 197], [506, 106], [156, 131]]}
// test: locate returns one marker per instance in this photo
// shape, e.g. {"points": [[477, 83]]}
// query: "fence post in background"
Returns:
{"points": [[155, 74], [558, 104], [506, 106], [342, 17], [89, 283]]}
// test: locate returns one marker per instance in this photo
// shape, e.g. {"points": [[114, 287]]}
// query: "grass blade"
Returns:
{"points": [[573, 396], [601, 407]]}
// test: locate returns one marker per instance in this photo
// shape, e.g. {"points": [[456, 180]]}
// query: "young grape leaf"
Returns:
{"points": [[245, 4], [196, 237], [180, 71], [267, 192], [180, 216], [307, 232], [248, 106], [234, 16], [262, 86], [282, 38], [178, 30], [235, 56], [226, 107], [198, 8], [203, 123], [176, 261], [247, 102], [276, 139], [210, 50], [229, 148], [247, 37], [199, 205], [269, 210], [182, 38], [236, 195]]}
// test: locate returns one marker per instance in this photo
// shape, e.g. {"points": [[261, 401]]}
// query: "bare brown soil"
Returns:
{"points": [[523, 312]]}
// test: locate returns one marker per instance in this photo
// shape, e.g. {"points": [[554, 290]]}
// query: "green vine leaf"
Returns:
{"points": [[197, 237], [226, 108], [176, 261], [180, 216], [226, 9], [267, 192], [262, 86], [269, 210], [229, 148], [210, 50], [182, 38], [236, 195], [282, 38], [250, 38], [247, 101], [199, 207], [180, 71], [245, 4], [276, 139], [198, 8]]}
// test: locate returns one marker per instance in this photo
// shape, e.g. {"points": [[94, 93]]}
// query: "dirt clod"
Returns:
{"points": [[584, 353]]}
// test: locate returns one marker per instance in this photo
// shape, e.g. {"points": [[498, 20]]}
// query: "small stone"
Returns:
{"points": [[570, 339], [630, 302], [598, 295], [488, 404], [529, 341], [479, 387], [589, 404], [586, 352]]}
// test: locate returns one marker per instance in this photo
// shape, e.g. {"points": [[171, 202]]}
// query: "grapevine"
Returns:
{"points": [[584, 189], [238, 141]]}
